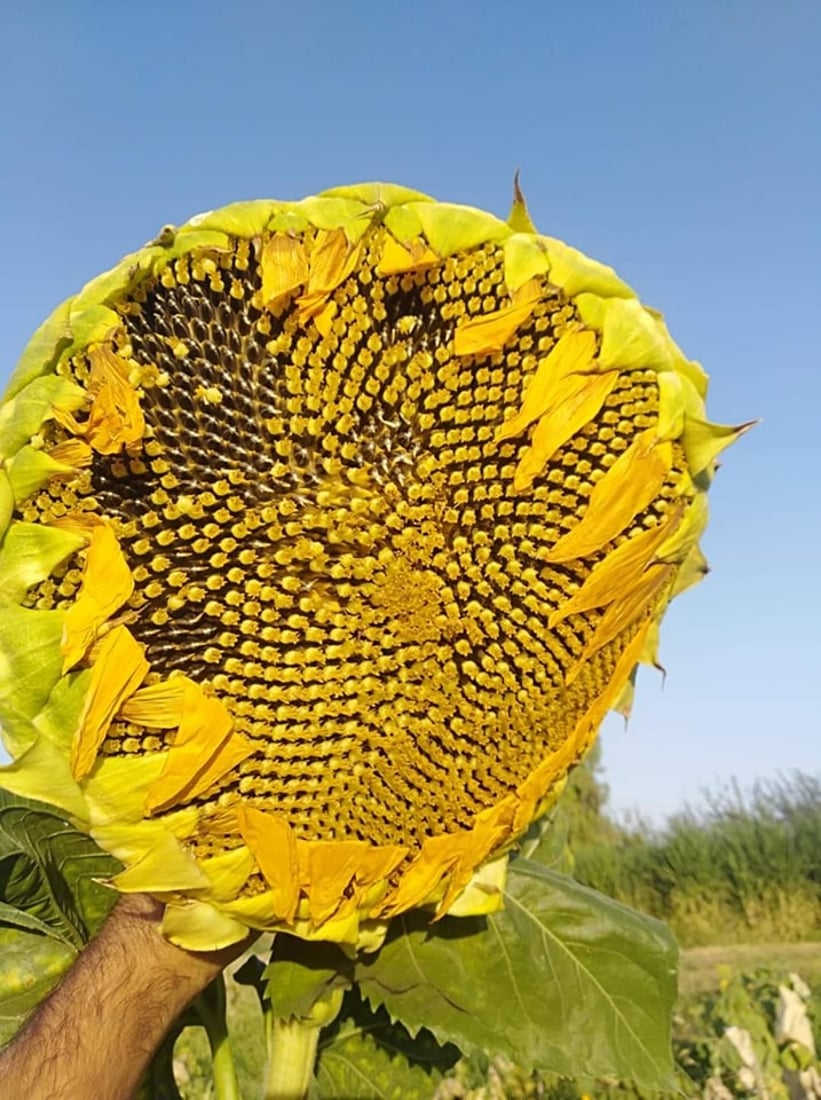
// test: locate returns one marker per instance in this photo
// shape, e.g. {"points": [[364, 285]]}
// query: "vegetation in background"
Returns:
{"points": [[743, 868]]}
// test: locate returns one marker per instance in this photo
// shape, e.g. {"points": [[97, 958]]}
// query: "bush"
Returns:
{"points": [[742, 868]]}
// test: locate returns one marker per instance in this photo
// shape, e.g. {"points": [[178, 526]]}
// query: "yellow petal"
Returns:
{"points": [[491, 331], [573, 353], [115, 418], [581, 399], [198, 926], [119, 669], [474, 848], [622, 612], [324, 318], [192, 772], [273, 844], [326, 870], [588, 725], [257, 911], [378, 862], [420, 881], [72, 452], [284, 266], [329, 868], [80, 523], [331, 262], [396, 259], [549, 775], [166, 867], [445, 866], [484, 893], [159, 706], [107, 584], [614, 577], [203, 750], [628, 487], [227, 872]]}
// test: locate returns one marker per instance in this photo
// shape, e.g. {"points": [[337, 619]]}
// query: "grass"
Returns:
{"points": [[745, 868], [702, 969]]}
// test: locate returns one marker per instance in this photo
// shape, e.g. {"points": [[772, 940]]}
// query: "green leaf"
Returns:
{"points": [[366, 1056], [564, 980], [355, 1066], [158, 1082], [32, 965], [546, 842], [50, 905], [301, 973]]}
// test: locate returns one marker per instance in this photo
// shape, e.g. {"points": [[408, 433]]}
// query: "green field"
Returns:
{"points": [[702, 968]]}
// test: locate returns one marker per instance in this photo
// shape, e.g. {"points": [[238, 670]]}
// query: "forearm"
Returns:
{"points": [[95, 1035]]}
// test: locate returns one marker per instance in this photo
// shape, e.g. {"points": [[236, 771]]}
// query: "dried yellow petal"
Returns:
{"points": [[273, 844], [202, 751], [107, 584], [627, 488], [491, 331], [554, 381], [118, 670], [284, 266], [414, 255]]}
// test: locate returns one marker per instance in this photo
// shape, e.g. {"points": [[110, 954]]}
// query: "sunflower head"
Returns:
{"points": [[330, 531]]}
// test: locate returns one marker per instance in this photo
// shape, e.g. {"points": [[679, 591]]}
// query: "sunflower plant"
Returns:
{"points": [[331, 530]]}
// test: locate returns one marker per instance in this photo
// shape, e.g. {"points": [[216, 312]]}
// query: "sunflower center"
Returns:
{"points": [[322, 527]]}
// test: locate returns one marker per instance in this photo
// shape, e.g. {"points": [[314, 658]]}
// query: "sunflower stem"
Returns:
{"points": [[291, 1064], [210, 1007]]}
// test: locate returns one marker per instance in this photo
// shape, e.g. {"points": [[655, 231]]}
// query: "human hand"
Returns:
{"points": [[94, 1036]]}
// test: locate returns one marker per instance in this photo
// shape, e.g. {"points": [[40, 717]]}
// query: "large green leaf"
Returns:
{"points": [[366, 1057], [50, 905], [563, 980]]}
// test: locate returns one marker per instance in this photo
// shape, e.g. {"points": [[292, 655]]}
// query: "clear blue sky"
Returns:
{"points": [[680, 142]]}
